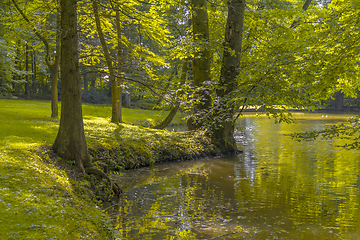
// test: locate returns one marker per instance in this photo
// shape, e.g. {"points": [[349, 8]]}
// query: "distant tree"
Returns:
{"points": [[54, 54]]}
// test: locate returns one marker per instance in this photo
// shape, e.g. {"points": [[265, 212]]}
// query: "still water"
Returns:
{"points": [[277, 188]]}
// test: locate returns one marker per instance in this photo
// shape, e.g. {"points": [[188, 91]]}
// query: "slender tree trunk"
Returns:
{"points": [[223, 131], [54, 71], [119, 65], [27, 69], [70, 142], [33, 70], [54, 99], [163, 124], [115, 114], [86, 83]]}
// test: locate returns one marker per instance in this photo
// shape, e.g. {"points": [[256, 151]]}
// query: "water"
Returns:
{"points": [[277, 189]]}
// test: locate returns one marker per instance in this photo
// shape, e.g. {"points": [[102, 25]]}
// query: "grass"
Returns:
{"points": [[38, 199]]}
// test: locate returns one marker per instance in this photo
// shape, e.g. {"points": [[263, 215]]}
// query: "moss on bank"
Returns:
{"points": [[124, 146], [42, 197]]}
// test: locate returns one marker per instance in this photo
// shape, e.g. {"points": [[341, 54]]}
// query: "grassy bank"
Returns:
{"points": [[38, 199]]}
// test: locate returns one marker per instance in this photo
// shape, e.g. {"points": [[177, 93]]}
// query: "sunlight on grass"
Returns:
{"points": [[37, 199]]}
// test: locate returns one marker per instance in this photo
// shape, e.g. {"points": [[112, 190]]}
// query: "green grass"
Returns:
{"points": [[38, 199]]}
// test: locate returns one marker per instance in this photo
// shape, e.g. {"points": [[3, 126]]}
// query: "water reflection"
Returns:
{"points": [[277, 189]]}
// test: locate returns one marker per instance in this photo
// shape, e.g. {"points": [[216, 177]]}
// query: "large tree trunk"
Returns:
{"points": [[115, 113], [201, 62], [70, 142], [223, 130]]}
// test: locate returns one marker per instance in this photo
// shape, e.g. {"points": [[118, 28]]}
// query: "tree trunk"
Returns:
{"points": [[127, 97], [115, 114], [201, 62], [70, 142], [27, 69], [54, 107], [86, 83], [163, 124], [338, 103], [119, 63], [223, 131], [54, 71], [34, 86]]}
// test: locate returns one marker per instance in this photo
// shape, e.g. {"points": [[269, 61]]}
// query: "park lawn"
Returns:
{"points": [[38, 199]]}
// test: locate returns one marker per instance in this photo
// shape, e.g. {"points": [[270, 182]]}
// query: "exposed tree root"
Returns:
{"points": [[113, 185]]}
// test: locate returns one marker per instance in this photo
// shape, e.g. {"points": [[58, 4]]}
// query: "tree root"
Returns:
{"points": [[114, 187]]}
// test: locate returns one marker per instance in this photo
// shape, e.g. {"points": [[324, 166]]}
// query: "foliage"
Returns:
{"points": [[348, 131]]}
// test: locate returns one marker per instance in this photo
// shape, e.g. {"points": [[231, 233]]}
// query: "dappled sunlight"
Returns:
{"points": [[38, 200]]}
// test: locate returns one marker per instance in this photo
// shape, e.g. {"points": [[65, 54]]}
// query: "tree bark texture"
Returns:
{"points": [[201, 62], [115, 112], [70, 142], [223, 131]]}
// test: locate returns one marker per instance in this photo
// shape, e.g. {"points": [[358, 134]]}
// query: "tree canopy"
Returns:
{"points": [[294, 54]]}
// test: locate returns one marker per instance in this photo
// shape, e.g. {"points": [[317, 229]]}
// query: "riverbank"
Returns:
{"points": [[42, 196]]}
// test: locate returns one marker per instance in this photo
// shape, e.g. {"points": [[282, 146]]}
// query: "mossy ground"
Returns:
{"points": [[39, 199]]}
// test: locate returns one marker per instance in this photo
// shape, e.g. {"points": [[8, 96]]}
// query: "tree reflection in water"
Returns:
{"points": [[277, 189]]}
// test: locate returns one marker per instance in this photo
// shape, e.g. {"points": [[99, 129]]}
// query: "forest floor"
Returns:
{"points": [[38, 197]]}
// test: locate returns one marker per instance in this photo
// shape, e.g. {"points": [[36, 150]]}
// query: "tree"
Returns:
{"points": [[54, 66], [115, 84], [202, 58], [70, 142], [223, 128]]}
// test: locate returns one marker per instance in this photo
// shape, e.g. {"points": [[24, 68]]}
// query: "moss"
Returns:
{"points": [[43, 197]]}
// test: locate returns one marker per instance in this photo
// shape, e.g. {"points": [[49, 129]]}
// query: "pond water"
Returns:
{"points": [[277, 188]]}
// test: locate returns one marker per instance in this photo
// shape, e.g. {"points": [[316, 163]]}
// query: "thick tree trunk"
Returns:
{"points": [[201, 62], [70, 142], [223, 131], [115, 113]]}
